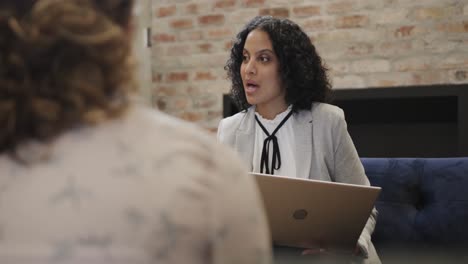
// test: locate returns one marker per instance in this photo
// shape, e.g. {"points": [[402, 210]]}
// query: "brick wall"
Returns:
{"points": [[366, 43]]}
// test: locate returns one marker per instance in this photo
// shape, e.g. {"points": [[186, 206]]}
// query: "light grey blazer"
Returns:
{"points": [[324, 150]]}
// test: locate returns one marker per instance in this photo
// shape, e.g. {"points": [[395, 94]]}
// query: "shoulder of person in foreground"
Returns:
{"points": [[239, 227]]}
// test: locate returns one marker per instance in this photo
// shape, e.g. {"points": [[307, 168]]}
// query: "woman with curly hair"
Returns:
{"points": [[286, 126], [87, 175]]}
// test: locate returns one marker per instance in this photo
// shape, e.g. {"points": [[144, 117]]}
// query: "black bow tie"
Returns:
{"points": [[276, 156]]}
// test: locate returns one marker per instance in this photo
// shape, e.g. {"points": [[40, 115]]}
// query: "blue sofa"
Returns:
{"points": [[423, 209]]}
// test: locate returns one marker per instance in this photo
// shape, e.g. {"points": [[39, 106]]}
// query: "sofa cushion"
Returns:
{"points": [[422, 199]]}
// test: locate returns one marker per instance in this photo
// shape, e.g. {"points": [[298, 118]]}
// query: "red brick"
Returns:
{"points": [[177, 50], [182, 23], [191, 9], [395, 47], [165, 91], [214, 114], [387, 83], [205, 47], [340, 7], [228, 45], [252, 3], [453, 61], [355, 21], [427, 77], [374, 65], [315, 25], [219, 33], [191, 35], [177, 77], [417, 63], [388, 79], [180, 103], [191, 116], [275, 12], [211, 19], [164, 37], [403, 31], [306, 10], [224, 3], [360, 49], [212, 130], [166, 11], [204, 76], [195, 90], [429, 13], [205, 102], [460, 27]]}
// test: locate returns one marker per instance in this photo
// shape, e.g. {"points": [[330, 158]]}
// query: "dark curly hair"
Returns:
{"points": [[62, 64], [301, 69]]}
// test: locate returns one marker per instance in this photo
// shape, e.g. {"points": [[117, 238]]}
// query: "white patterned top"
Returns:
{"points": [[144, 188]]}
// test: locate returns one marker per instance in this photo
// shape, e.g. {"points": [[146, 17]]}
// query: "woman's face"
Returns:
{"points": [[260, 73]]}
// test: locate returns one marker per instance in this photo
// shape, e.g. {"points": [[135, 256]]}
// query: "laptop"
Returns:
{"points": [[307, 213]]}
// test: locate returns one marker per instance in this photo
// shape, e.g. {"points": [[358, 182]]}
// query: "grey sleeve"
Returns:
{"points": [[348, 168], [219, 134]]}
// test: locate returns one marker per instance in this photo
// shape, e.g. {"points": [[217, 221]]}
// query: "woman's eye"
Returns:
{"points": [[245, 58], [264, 59]]}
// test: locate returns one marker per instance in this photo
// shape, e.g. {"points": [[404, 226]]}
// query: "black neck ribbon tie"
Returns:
{"points": [[276, 157]]}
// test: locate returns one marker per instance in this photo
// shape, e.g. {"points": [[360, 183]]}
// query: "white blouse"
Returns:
{"points": [[286, 143]]}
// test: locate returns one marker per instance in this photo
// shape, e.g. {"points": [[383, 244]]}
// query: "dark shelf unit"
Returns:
{"points": [[406, 121], [411, 121]]}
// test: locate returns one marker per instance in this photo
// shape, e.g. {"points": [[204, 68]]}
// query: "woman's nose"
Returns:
{"points": [[250, 67]]}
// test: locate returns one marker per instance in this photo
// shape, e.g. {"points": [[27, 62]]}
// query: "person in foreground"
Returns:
{"points": [[286, 126], [89, 176]]}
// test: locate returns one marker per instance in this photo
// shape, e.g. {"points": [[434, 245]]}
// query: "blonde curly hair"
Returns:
{"points": [[62, 64]]}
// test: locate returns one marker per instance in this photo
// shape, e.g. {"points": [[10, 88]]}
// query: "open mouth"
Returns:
{"points": [[251, 86]]}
